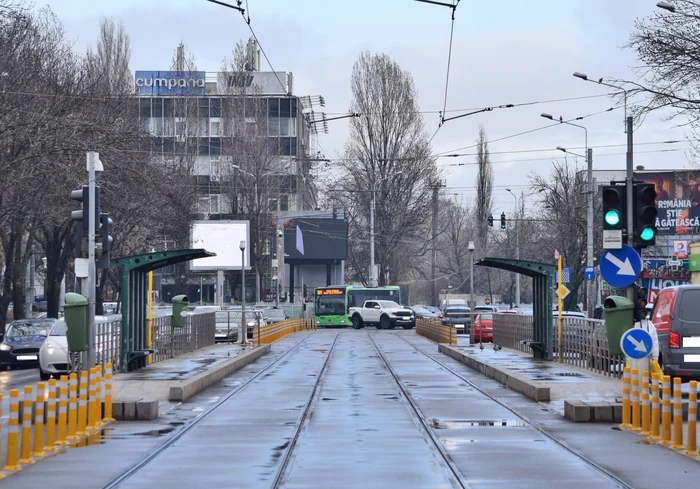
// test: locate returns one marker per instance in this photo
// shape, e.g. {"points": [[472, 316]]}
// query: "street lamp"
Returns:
{"points": [[372, 276], [517, 247], [589, 201], [666, 6], [471, 247], [243, 328]]}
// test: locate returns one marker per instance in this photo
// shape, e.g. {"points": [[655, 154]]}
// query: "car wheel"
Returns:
{"points": [[356, 322], [43, 375], [385, 322]]}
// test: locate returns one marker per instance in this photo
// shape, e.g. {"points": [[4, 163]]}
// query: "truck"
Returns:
{"points": [[382, 314]]}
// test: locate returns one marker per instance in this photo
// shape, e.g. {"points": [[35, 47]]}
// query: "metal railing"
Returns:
{"points": [[108, 343], [584, 341], [434, 330], [269, 333], [169, 342]]}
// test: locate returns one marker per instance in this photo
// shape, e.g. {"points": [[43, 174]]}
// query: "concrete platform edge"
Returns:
{"points": [[529, 389], [196, 384]]}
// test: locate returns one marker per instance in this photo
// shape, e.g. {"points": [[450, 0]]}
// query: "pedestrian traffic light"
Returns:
{"points": [[645, 213], [490, 220], [103, 241], [503, 220], [614, 204]]}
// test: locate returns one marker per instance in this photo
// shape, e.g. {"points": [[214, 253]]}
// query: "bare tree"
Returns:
{"points": [[388, 152], [453, 242], [110, 61], [484, 187]]}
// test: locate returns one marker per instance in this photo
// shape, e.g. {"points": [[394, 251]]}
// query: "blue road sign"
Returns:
{"points": [[636, 343], [620, 268], [565, 275], [589, 273]]}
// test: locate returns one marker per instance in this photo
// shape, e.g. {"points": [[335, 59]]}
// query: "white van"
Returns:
{"points": [[452, 302]]}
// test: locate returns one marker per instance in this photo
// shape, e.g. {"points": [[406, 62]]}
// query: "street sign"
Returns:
{"points": [[563, 292], [620, 268], [612, 239], [487, 301], [680, 249], [565, 275], [589, 273], [636, 343]]}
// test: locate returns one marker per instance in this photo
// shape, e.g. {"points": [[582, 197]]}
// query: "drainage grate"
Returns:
{"points": [[568, 374]]}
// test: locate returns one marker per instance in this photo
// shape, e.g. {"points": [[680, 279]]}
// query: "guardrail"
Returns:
{"points": [[169, 342], [269, 333], [434, 330], [584, 341]]}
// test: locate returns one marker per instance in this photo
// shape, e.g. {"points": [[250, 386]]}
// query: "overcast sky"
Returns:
{"points": [[504, 51]]}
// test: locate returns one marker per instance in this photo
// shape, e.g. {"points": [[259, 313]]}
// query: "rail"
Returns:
{"points": [[435, 331], [269, 333], [169, 342], [584, 342]]}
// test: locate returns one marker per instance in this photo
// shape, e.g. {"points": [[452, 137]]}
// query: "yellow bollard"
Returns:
{"points": [[13, 433], [655, 415], [677, 416], [645, 404], [50, 444], [73, 409], [83, 404], [2, 476], [92, 402], [98, 393], [62, 411], [692, 419], [666, 412], [38, 451], [108, 393], [26, 443], [636, 426], [626, 399]]}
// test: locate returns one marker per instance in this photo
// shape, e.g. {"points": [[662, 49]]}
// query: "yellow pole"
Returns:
{"points": [[626, 400], [98, 393], [655, 407], [73, 409], [2, 476], [92, 402], [13, 433], [560, 306], [666, 412], [636, 425], [108, 393], [149, 316], [692, 419], [82, 404], [646, 413], [677, 416], [51, 418], [26, 444], [38, 451]]}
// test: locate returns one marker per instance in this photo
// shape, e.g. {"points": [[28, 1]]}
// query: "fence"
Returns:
{"points": [[169, 342], [434, 330], [584, 341], [269, 333]]}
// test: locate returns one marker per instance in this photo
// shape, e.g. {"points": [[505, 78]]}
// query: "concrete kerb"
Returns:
{"points": [[531, 390]]}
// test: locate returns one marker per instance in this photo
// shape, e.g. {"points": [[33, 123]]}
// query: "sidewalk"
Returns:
{"points": [[143, 394]]}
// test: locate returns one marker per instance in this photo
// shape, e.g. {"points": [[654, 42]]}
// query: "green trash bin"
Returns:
{"points": [[180, 303], [76, 316], [618, 313]]}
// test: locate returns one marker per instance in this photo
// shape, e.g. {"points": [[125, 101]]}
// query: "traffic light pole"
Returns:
{"points": [[93, 165], [629, 183], [589, 230]]}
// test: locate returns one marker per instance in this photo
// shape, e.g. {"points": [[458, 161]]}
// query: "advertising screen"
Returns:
{"points": [[222, 238], [170, 82], [678, 200], [316, 239]]}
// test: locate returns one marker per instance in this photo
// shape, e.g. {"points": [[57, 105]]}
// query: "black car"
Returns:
{"points": [[22, 340], [422, 312]]}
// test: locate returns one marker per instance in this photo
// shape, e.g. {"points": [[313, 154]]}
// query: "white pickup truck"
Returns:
{"points": [[382, 315]]}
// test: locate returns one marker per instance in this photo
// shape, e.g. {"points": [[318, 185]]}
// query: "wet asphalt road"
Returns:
{"points": [[330, 413]]}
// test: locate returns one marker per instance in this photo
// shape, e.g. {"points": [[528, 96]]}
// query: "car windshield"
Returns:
{"points": [[16, 330], [59, 328], [487, 317], [457, 310], [421, 310], [388, 304]]}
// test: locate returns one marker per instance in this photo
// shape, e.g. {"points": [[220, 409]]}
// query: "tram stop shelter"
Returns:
{"points": [[134, 298], [541, 274]]}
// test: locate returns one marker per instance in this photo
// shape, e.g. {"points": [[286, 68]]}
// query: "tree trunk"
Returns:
{"points": [[8, 279], [57, 241]]}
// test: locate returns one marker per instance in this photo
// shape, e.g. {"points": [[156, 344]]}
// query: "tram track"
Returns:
{"points": [[154, 453], [533, 424]]}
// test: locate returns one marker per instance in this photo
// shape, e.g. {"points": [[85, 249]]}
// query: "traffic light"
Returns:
{"points": [[503, 220], [104, 241], [82, 217], [614, 204], [305, 290], [640, 303], [490, 220], [645, 213]]}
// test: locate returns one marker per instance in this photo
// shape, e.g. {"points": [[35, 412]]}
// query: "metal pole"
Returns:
{"points": [[243, 328], [434, 241], [372, 279], [471, 279], [630, 198], [92, 159], [589, 229], [517, 255]]}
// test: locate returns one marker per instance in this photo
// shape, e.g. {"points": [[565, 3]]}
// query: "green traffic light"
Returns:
{"points": [[612, 218], [647, 234]]}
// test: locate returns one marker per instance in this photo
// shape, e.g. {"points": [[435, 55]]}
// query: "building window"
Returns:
{"points": [[293, 146], [203, 107], [215, 128], [285, 107], [157, 107], [168, 107], [293, 103], [203, 205], [273, 124], [285, 126], [215, 105], [145, 107], [215, 146], [273, 107], [272, 205], [284, 202], [203, 147]]}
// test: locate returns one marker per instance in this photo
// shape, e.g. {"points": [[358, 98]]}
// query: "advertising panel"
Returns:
{"points": [[222, 238], [257, 82], [316, 239], [170, 82], [658, 274], [678, 200]]}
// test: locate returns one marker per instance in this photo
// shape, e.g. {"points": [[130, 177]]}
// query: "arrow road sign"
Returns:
{"points": [[620, 268], [636, 343]]}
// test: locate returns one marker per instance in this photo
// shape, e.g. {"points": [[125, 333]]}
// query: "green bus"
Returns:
{"points": [[331, 304]]}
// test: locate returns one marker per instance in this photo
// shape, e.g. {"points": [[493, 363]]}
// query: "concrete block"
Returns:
{"points": [[577, 411], [617, 412], [129, 411], [601, 412], [146, 410], [118, 410]]}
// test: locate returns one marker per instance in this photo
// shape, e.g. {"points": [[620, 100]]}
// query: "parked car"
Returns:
{"points": [[423, 312], [485, 309], [483, 328], [254, 318], [22, 340], [459, 317], [274, 315]]}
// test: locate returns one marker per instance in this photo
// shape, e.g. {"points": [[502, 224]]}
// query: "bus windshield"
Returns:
{"points": [[330, 305]]}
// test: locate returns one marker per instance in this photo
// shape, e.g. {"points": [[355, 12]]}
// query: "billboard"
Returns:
{"points": [[170, 82], [316, 239], [258, 82], [222, 238], [657, 275], [678, 200]]}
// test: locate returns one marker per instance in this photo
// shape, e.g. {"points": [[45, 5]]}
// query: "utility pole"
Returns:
{"points": [[589, 231], [629, 183], [372, 273], [93, 166], [436, 193]]}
